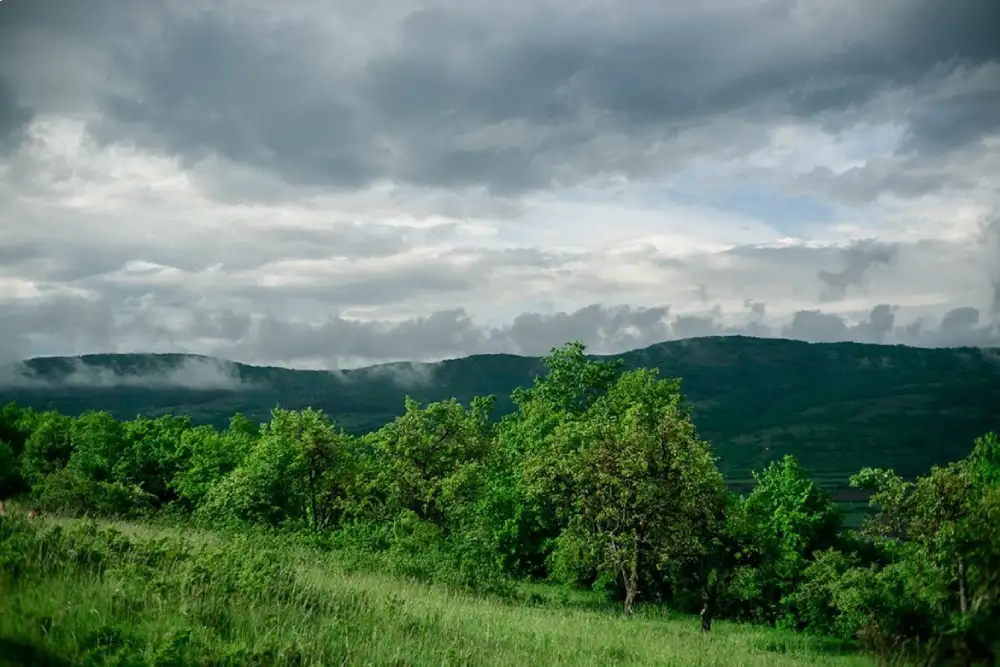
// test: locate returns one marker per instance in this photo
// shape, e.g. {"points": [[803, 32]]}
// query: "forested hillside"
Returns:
{"points": [[597, 485], [836, 407]]}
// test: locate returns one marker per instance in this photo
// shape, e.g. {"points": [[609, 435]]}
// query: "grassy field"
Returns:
{"points": [[128, 594]]}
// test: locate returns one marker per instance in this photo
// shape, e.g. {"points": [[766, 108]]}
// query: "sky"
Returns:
{"points": [[328, 185]]}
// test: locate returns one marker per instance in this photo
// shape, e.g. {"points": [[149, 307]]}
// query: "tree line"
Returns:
{"points": [[598, 479]]}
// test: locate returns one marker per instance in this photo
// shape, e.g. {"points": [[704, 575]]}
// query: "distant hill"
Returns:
{"points": [[837, 407]]}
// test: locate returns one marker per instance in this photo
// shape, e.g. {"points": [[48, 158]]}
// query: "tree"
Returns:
{"points": [[266, 485], [48, 448], [515, 513], [572, 382], [790, 519], [207, 457], [10, 476], [943, 534], [151, 456], [643, 487], [16, 425], [327, 463], [98, 442], [415, 458]]}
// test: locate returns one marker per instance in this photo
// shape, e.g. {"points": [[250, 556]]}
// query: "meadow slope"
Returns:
{"points": [[132, 594]]}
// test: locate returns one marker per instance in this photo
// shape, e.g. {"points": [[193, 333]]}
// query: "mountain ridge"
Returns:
{"points": [[836, 406]]}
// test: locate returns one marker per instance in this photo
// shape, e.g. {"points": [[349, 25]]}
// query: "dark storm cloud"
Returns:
{"points": [[454, 333], [459, 96], [621, 327], [964, 326], [879, 324], [816, 326], [959, 320]]}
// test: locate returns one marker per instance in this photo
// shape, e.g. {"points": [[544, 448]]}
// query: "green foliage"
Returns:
{"points": [[48, 447], [70, 491], [837, 407], [423, 462], [598, 481], [209, 456], [16, 425], [790, 519], [940, 591], [11, 481], [640, 487], [261, 488], [572, 382]]}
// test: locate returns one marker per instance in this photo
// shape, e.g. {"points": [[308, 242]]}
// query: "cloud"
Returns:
{"points": [[991, 243], [404, 180], [445, 96], [199, 373], [337, 343], [405, 374], [858, 259], [14, 118]]}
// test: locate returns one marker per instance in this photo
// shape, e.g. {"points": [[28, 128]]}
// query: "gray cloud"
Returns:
{"points": [[959, 327], [991, 243], [69, 258], [405, 374], [858, 259], [904, 177], [14, 117], [338, 342], [960, 320], [449, 96], [300, 185], [940, 126]]}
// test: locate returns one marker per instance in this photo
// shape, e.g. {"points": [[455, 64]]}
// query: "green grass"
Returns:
{"points": [[150, 595]]}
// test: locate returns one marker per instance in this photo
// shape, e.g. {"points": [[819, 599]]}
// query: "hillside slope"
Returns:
{"points": [[837, 407]]}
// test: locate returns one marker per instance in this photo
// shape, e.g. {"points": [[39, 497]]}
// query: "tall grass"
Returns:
{"points": [[76, 593]]}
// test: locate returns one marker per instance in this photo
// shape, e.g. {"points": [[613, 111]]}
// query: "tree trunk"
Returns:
{"points": [[632, 581], [963, 586], [629, 598], [707, 608]]}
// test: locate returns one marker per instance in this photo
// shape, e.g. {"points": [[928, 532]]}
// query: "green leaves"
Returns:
{"points": [[599, 479], [572, 382], [632, 480]]}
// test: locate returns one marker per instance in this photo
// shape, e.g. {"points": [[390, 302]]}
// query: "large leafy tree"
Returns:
{"points": [[151, 457], [517, 518], [296, 471], [421, 461], [642, 486]]}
